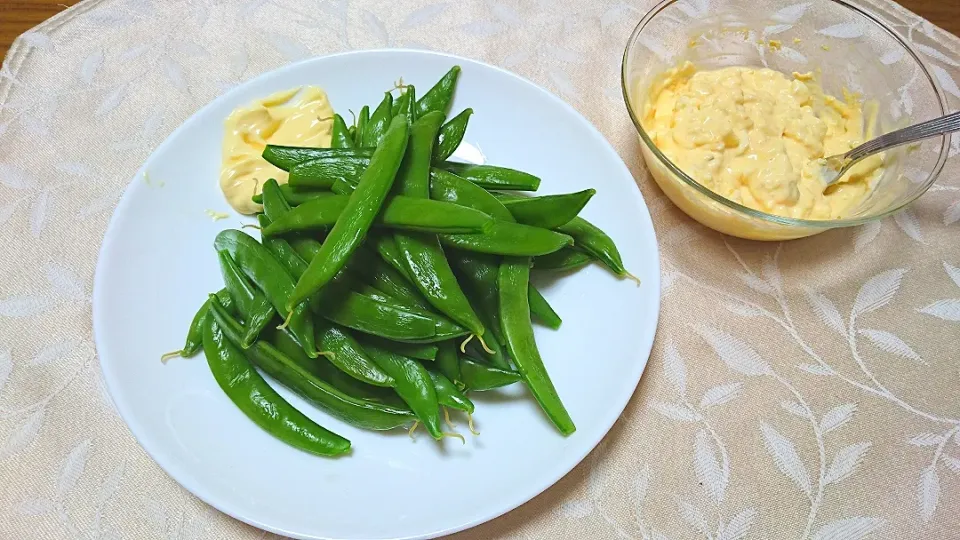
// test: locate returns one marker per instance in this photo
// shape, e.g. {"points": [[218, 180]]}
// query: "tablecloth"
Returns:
{"points": [[805, 389]]}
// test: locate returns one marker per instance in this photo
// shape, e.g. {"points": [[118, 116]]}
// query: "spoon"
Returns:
{"points": [[834, 167]]}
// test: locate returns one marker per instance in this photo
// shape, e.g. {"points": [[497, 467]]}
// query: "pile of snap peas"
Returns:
{"points": [[389, 283]]}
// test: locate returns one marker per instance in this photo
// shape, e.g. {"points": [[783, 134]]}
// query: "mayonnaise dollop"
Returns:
{"points": [[295, 117], [756, 136]]}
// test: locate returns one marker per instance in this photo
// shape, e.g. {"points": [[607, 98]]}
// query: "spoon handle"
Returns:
{"points": [[916, 132]]}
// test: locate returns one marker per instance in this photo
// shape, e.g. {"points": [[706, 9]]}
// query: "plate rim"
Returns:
{"points": [[197, 489]]}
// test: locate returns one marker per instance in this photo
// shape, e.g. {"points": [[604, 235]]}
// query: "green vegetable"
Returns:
{"points": [[451, 135], [549, 211], [414, 386], [340, 136], [562, 260], [251, 303], [478, 377], [540, 309], [438, 97]]}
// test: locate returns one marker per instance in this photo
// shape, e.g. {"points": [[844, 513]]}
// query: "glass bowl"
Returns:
{"points": [[846, 47]]}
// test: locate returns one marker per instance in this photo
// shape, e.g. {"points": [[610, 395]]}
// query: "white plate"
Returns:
{"points": [[157, 265]]}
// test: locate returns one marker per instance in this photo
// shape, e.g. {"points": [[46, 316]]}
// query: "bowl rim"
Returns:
{"points": [[764, 216]]}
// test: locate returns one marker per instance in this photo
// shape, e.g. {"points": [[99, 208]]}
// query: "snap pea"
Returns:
{"points": [[275, 206], [446, 186], [340, 137], [193, 343], [448, 394], [421, 253], [562, 260], [282, 250], [505, 238], [419, 351], [478, 274], [451, 135], [379, 121], [320, 173], [286, 157], [293, 196], [401, 105], [387, 249], [589, 238], [384, 277], [448, 362], [259, 401], [322, 368], [478, 377], [439, 96], [549, 211], [540, 309], [301, 374], [355, 220], [253, 306], [270, 277], [349, 356], [514, 280], [414, 385], [362, 120], [491, 177], [398, 212]]}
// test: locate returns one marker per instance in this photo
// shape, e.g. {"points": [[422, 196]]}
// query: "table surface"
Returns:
{"points": [[19, 16]]}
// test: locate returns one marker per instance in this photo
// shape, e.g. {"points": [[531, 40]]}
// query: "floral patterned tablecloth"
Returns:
{"points": [[798, 390]]}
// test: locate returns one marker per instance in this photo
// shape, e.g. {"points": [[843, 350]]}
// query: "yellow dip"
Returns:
{"points": [[755, 137], [295, 117]]}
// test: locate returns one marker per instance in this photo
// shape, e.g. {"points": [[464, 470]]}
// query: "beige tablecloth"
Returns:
{"points": [[797, 390]]}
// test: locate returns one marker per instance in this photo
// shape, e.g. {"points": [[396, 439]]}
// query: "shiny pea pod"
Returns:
{"points": [[549, 211], [349, 356], [282, 250], [448, 362], [340, 136], [293, 196], [446, 186], [514, 281], [363, 206], [321, 172], [479, 274], [379, 121], [420, 351], [562, 260], [439, 96], [479, 377], [286, 157], [448, 394], [401, 105], [422, 254], [362, 120], [259, 401], [300, 374], [492, 177], [386, 247], [398, 212], [253, 306], [451, 135], [387, 279], [193, 343], [505, 238], [414, 386], [272, 278], [541, 311]]}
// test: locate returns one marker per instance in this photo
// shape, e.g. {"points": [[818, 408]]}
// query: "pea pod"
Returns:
{"points": [[491, 177], [414, 386], [282, 250], [272, 278], [251, 303], [514, 280], [451, 135], [379, 121], [293, 196], [384, 277], [589, 238], [362, 120], [448, 362], [259, 401], [301, 375], [349, 356], [321, 172], [505, 238], [549, 211], [401, 105], [562, 260], [387, 249], [275, 206], [357, 217], [398, 212], [286, 157], [448, 394], [439, 96], [193, 343], [541, 311], [478, 273], [340, 137], [422, 254], [419, 351], [478, 377]]}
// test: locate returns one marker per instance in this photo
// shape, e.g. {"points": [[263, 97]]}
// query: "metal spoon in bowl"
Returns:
{"points": [[834, 167]]}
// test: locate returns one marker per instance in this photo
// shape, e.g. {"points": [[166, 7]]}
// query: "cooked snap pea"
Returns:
{"points": [[478, 377], [541, 311], [291, 195], [253, 306], [492, 177], [451, 135], [549, 211], [505, 238], [340, 137], [414, 386], [448, 394], [286, 157], [439, 96], [379, 121], [562, 260]]}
